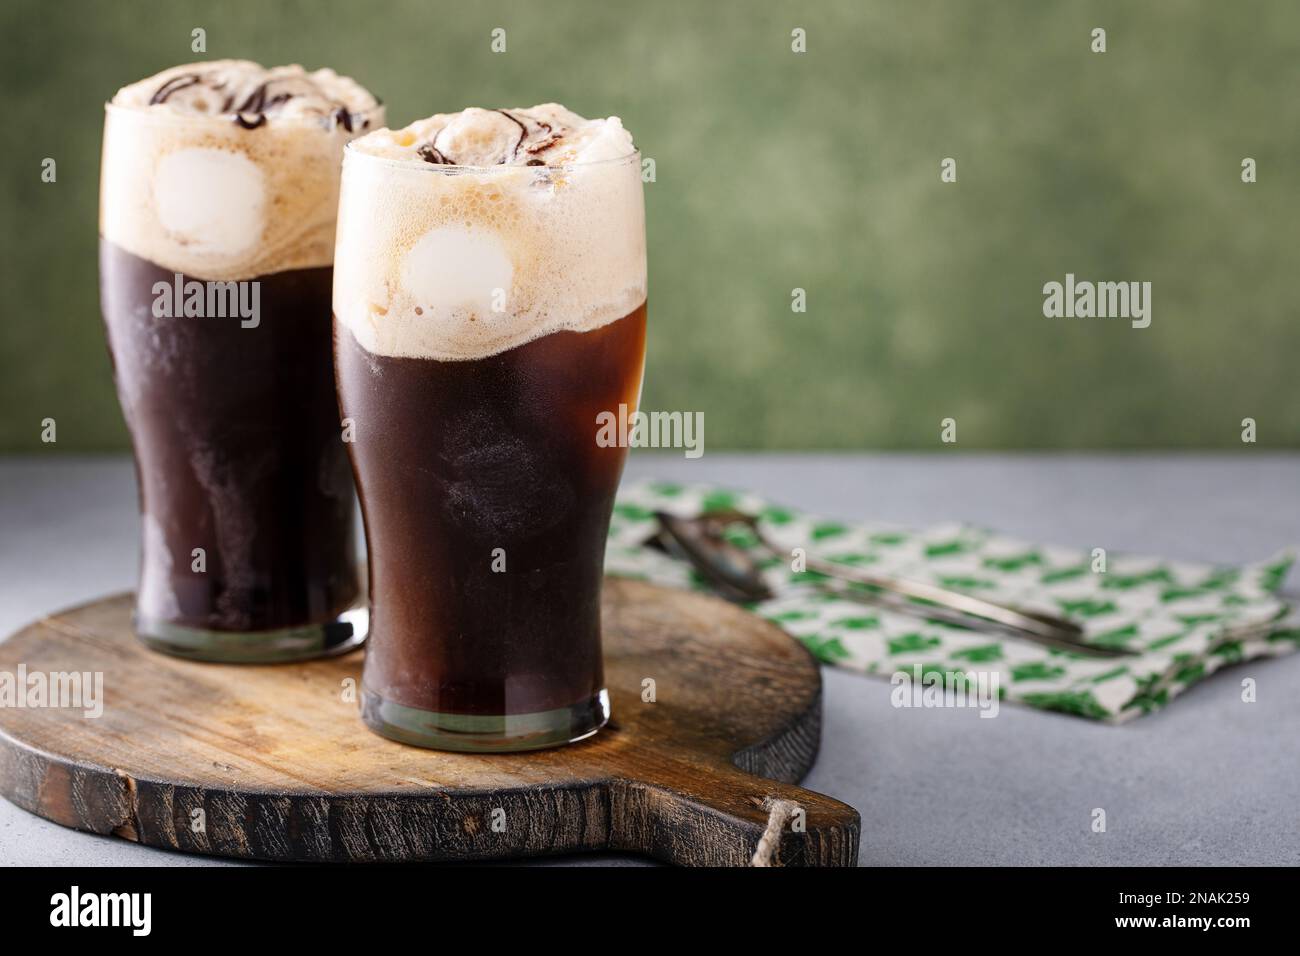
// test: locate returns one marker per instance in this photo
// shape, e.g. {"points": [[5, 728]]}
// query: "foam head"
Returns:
{"points": [[470, 233], [227, 169]]}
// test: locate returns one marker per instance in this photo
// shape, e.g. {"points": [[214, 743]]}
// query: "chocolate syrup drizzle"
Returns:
{"points": [[523, 131], [430, 153], [256, 101], [552, 139], [171, 86], [251, 113]]}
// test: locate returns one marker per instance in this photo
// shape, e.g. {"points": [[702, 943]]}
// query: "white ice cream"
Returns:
{"points": [[223, 218]]}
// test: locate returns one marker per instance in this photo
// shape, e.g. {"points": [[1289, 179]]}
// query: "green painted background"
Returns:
{"points": [[778, 171]]}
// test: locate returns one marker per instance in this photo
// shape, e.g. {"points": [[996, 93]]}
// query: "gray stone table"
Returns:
{"points": [[1210, 780]]}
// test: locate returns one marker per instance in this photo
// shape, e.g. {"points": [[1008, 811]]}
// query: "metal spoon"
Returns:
{"points": [[735, 574]]}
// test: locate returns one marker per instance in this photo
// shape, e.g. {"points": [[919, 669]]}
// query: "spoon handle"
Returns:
{"points": [[893, 601], [1042, 625]]}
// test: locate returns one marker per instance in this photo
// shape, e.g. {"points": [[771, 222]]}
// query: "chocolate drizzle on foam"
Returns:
{"points": [[251, 95], [172, 85], [523, 131], [430, 154], [535, 136], [550, 139]]}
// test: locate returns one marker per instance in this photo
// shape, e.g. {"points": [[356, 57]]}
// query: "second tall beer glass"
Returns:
{"points": [[489, 298]]}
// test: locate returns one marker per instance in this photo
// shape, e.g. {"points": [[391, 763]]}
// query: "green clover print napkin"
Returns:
{"points": [[1183, 618]]}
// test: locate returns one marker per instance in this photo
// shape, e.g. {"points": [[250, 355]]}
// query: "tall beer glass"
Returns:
{"points": [[217, 211], [490, 284]]}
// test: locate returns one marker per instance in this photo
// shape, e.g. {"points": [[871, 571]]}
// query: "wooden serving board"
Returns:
{"points": [[273, 762]]}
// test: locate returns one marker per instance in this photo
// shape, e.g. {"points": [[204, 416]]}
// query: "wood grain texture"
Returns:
{"points": [[282, 768]]}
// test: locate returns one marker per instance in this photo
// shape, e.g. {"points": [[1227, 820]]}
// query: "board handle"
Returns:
{"points": [[719, 815]]}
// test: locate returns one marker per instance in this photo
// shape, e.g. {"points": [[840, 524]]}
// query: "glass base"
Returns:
{"points": [[346, 632], [476, 733]]}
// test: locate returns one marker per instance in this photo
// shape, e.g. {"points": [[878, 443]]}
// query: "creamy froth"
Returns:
{"points": [[227, 169], [250, 94], [545, 135], [470, 233]]}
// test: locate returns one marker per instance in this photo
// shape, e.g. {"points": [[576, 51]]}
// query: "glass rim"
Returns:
{"points": [[456, 169], [172, 117]]}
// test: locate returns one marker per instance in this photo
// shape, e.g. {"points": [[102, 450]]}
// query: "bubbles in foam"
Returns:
{"points": [[423, 246]]}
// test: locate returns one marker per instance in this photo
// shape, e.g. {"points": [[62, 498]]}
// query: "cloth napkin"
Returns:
{"points": [[1181, 617]]}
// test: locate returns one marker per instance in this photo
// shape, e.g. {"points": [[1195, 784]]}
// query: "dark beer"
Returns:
{"points": [[215, 284], [475, 382], [238, 454], [455, 460]]}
